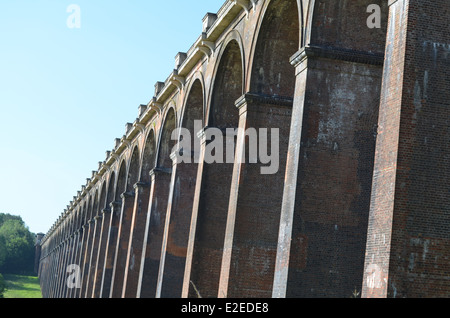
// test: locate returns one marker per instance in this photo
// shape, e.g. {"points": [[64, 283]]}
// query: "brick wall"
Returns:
{"points": [[407, 253]]}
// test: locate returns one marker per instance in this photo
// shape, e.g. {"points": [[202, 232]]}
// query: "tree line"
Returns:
{"points": [[17, 246]]}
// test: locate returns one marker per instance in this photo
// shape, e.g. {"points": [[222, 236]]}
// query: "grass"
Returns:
{"points": [[19, 286]]}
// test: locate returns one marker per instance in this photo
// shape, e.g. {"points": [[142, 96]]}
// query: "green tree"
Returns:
{"points": [[16, 245], [2, 251], [4, 217], [2, 286]]}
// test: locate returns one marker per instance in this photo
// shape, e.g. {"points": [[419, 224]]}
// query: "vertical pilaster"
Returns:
{"points": [[151, 251], [63, 252], [177, 226], [69, 251], [113, 229], [38, 251], [134, 254], [300, 63], [194, 217], [408, 243], [62, 280], [128, 199], [253, 220], [106, 220], [85, 265], [167, 221], [73, 257], [58, 269], [327, 185], [93, 255], [79, 255]]}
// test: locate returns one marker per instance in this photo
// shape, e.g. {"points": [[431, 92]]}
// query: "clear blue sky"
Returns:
{"points": [[66, 94]]}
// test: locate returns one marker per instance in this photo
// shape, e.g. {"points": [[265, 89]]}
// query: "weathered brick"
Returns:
{"points": [[361, 198]]}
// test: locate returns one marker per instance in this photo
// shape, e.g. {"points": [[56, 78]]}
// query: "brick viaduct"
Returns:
{"points": [[361, 197]]}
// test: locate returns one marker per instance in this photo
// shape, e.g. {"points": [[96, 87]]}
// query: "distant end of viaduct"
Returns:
{"points": [[360, 199]]}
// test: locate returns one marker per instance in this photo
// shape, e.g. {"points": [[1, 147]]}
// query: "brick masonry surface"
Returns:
{"points": [[358, 203]]}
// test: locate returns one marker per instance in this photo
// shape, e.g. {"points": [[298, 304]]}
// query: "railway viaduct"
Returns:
{"points": [[360, 199]]}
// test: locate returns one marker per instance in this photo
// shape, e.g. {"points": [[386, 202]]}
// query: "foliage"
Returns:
{"points": [[2, 286], [16, 245]]}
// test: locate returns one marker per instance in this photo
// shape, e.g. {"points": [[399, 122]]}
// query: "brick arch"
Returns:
{"points": [[343, 24], [85, 212], [110, 191], [100, 240], [165, 142], [340, 83], [211, 213], [109, 185], [194, 106], [121, 181], [228, 86], [160, 184], [91, 248], [196, 89], [113, 239], [97, 237], [138, 227], [102, 201], [133, 169], [72, 221], [248, 270], [87, 243], [125, 223], [94, 205], [329, 178], [80, 215], [148, 160], [72, 233], [278, 37], [182, 190]]}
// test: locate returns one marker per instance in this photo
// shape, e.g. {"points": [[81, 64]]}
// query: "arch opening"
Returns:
{"points": [[96, 240], [108, 272], [183, 191], [259, 196], [126, 216], [158, 209], [344, 24], [93, 205], [340, 115], [149, 157], [102, 239], [216, 178], [228, 87], [140, 219], [278, 40]]}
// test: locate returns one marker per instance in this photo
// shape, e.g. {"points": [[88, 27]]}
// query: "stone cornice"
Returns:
{"points": [[333, 53], [264, 99]]}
